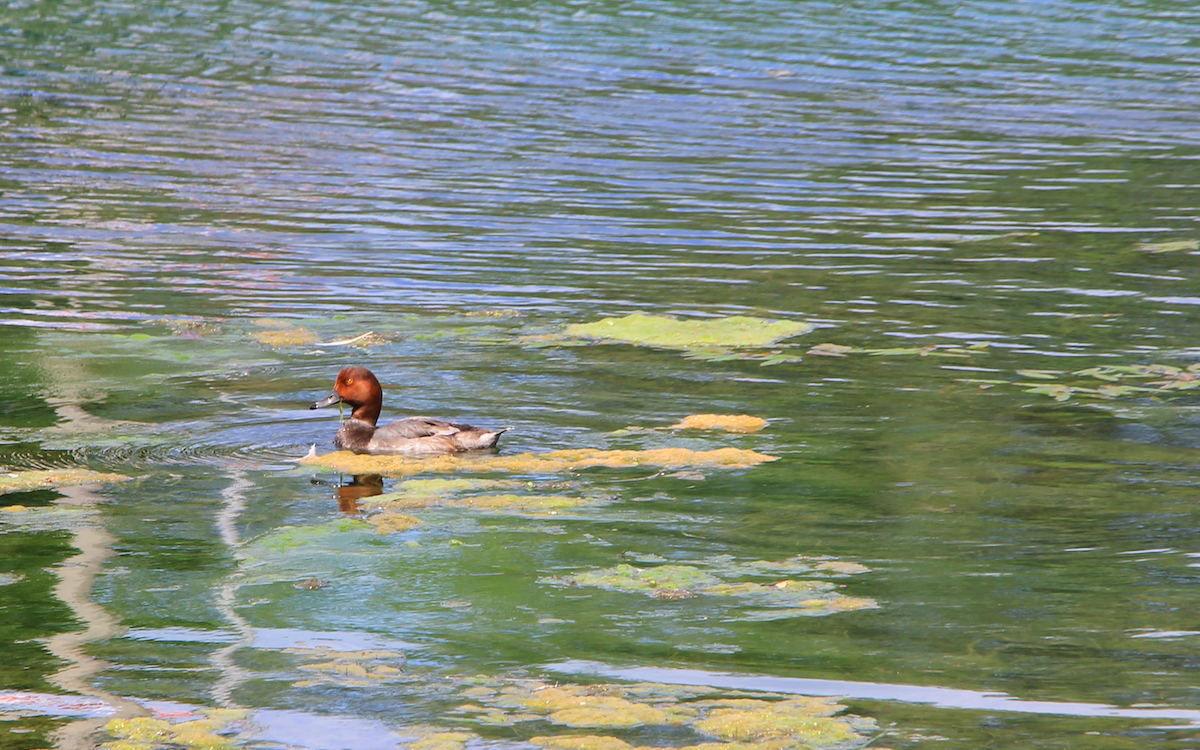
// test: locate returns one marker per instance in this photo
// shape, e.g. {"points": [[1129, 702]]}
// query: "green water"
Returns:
{"points": [[960, 194]]}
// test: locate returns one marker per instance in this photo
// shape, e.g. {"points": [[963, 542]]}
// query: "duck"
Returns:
{"points": [[358, 387]]}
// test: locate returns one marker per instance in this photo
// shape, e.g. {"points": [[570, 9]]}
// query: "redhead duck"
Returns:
{"points": [[358, 387]]}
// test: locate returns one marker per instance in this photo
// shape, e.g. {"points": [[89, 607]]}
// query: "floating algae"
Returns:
{"points": [[699, 717], [1156, 248], [1153, 379], [732, 722], [728, 565], [575, 709], [741, 423], [393, 523], [143, 733], [658, 581], [934, 350], [539, 463], [782, 599], [297, 336], [440, 487], [443, 741], [520, 502], [582, 742], [670, 333], [803, 723], [351, 668], [23, 481], [839, 566], [482, 502]]}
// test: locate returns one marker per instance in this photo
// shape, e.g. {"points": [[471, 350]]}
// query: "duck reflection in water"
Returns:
{"points": [[349, 493]]}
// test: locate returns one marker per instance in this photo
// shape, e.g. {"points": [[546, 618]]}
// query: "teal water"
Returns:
{"points": [[916, 181]]}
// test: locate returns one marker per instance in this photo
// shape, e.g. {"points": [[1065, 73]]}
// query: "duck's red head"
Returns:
{"points": [[358, 387]]}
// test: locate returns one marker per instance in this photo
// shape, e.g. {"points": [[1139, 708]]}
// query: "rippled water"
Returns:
{"points": [[178, 180]]}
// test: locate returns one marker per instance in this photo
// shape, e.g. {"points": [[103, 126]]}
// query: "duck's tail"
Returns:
{"points": [[477, 437]]}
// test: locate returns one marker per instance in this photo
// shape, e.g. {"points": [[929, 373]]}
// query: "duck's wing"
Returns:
{"points": [[416, 427]]}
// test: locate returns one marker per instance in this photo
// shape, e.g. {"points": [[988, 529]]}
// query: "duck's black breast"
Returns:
{"points": [[354, 435]]}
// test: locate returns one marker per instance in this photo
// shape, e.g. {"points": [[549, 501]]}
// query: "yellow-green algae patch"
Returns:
{"points": [[1154, 380], [741, 423], [390, 522], [1172, 246], [443, 741], [782, 599], [729, 722], [499, 502], [841, 566], [597, 716], [671, 333], [297, 336], [935, 350], [143, 733], [582, 742], [439, 486], [574, 709], [522, 502], [351, 668], [23, 481], [540, 463], [804, 723], [654, 581]]}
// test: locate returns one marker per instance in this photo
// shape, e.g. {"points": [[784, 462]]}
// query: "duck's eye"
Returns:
{"points": [[349, 381]]}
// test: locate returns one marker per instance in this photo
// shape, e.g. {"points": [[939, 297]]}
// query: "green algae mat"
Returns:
{"points": [[775, 600], [670, 333], [540, 463], [599, 716], [24, 481]]}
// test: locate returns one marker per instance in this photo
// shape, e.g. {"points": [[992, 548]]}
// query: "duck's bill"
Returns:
{"points": [[329, 400]]}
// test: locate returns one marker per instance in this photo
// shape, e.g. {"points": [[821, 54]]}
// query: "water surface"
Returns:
{"points": [[178, 179]]}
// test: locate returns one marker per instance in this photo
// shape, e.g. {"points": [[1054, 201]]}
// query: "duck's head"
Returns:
{"points": [[358, 387]]}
